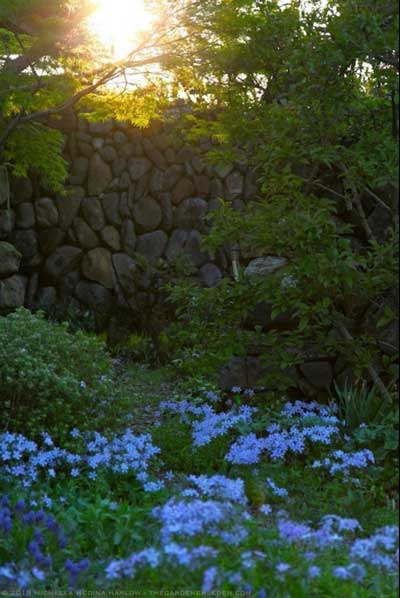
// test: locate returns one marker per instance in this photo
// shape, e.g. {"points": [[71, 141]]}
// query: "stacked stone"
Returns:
{"points": [[129, 193]]}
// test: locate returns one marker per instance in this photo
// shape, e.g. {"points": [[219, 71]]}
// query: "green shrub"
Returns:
{"points": [[50, 379]]}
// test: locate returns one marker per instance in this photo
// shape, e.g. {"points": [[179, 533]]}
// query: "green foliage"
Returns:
{"points": [[39, 149], [310, 93], [58, 378]]}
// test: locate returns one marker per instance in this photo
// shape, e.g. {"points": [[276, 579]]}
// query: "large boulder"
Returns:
{"points": [[125, 269], [191, 213], [26, 241], [7, 223], [147, 214], [110, 236], [128, 237], [182, 190], [46, 213], [86, 237], [25, 215], [79, 170], [93, 213], [12, 292], [138, 167], [68, 207], [93, 295], [10, 260], [97, 266], [187, 243], [152, 245], [50, 239], [64, 260], [100, 175], [241, 372], [210, 275], [111, 207], [265, 265], [21, 190]]}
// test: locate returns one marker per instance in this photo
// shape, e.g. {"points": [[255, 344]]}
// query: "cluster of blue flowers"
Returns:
{"points": [[206, 422], [44, 535], [342, 462], [28, 462]]}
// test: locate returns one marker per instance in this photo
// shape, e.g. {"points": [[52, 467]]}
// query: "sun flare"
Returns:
{"points": [[116, 23]]}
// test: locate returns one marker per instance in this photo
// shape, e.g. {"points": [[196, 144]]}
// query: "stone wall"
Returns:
{"points": [[135, 202], [129, 194]]}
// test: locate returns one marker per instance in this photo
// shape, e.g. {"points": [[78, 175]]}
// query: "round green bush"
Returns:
{"points": [[50, 379]]}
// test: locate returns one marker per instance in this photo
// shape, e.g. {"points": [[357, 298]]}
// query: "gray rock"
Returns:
{"points": [[202, 185], [170, 155], [125, 269], [119, 166], [182, 190], [86, 237], [167, 212], [142, 187], [125, 206], [12, 292], [108, 153], [156, 181], [85, 149], [223, 170], [50, 239], [191, 213], [128, 237], [119, 138], [185, 154], [147, 214], [198, 165], [154, 154], [210, 275], [79, 171], [138, 167], [10, 259], [26, 242], [93, 295], [188, 243], [241, 373], [265, 265], [126, 150], [64, 260], [125, 183], [193, 249], [235, 184], [25, 213], [98, 143], [46, 213], [137, 148], [162, 141], [21, 190], [101, 128], [97, 266], [111, 207], [68, 207], [93, 213], [318, 373], [217, 189], [100, 175], [111, 238], [172, 176], [7, 223], [68, 284], [152, 245]]}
